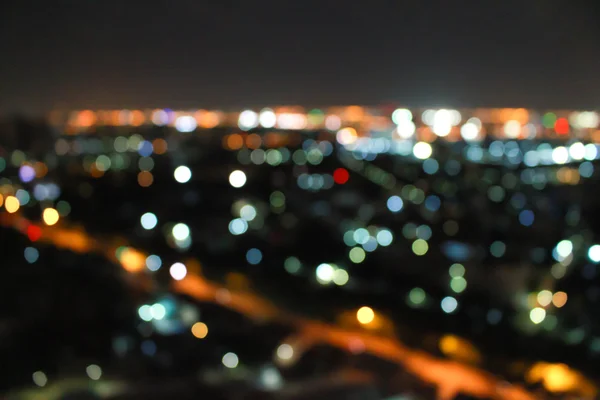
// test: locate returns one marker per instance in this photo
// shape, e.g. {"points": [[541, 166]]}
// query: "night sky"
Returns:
{"points": [[226, 53]]}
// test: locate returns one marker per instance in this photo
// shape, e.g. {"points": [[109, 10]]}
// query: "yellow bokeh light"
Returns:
{"points": [[132, 260], [199, 330], [1, 199], [50, 216], [12, 204], [365, 315]]}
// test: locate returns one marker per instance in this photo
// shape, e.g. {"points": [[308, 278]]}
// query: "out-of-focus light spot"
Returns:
{"points": [[145, 313], [94, 372], [470, 130], [238, 226], [182, 174], [544, 297], [560, 155], [384, 237], [417, 296], [160, 117], [405, 129], [11, 204], [442, 123], [537, 315], [526, 217], [494, 316], [148, 221], [365, 315], [292, 265], [340, 277], [178, 271], [357, 255], [50, 216], [577, 151], [559, 299], [153, 262], [591, 152], [563, 249], [430, 166], [594, 253], [395, 203], [158, 311], [497, 249], [247, 120], [26, 173], [39, 378], [267, 118], [422, 150], [420, 247], [333, 122], [237, 179], [561, 126], [230, 360], [180, 231], [346, 136], [341, 176], [449, 304], [199, 330], [458, 284], [285, 352], [248, 212], [34, 233], [23, 197], [31, 254], [186, 124], [400, 115], [324, 273], [512, 129], [456, 270], [145, 178], [254, 256]]}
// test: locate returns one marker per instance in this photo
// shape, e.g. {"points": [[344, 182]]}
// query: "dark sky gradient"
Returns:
{"points": [[226, 53]]}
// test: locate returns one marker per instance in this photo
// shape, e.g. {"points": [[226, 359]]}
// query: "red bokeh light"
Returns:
{"points": [[34, 233], [561, 126], [341, 176]]}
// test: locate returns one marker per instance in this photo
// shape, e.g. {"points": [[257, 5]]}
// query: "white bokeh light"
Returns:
{"points": [[248, 119], [267, 118], [180, 231], [422, 150], [185, 123], [230, 360], [182, 174], [178, 271], [237, 178], [148, 221]]}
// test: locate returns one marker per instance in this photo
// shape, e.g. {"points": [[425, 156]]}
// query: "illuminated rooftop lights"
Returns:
{"points": [[400, 115], [148, 221], [237, 179], [442, 122], [267, 118], [160, 117], [537, 315], [346, 136], [178, 271], [247, 120], [594, 253], [50, 216], [94, 372], [11, 204], [199, 330], [182, 174], [230, 360], [324, 273], [544, 298], [422, 150], [186, 124], [365, 315], [449, 304], [512, 129], [285, 352], [180, 231], [39, 378]]}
